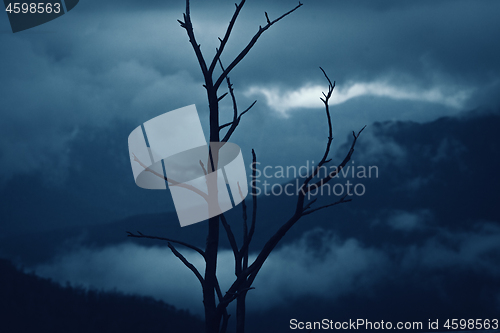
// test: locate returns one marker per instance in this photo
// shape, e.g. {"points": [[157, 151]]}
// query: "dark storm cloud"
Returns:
{"points": [[134, 61], [52, 84], [79, 74]]}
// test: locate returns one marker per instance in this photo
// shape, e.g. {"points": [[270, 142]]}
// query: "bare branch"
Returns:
{"points": [[242, 283], [246, 244], [325, 101], [337, 170], [224, 40], [187, 24], [267, 18], [254, 196], [310, 204], [220, 98], [203, 167], [252, 42], [244, 206], [255, 267], [225, 125], [229, 297], [248, 275], [171, 181], [232, 242], [235, 123], [329, 82], [235, 105], [187, 263], [245, 227], [246, 110], [342, 200], [236, 118], [192, 247], [236, 294]]}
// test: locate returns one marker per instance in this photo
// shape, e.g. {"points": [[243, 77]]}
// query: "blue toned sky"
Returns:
{"points": [[424, 76], [130, 62]]}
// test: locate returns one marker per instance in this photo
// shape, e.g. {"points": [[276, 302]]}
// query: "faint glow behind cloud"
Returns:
{"points": [[282, 101]]}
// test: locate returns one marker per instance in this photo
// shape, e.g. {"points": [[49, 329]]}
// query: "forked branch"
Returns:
{"points": [[224, 40], [234, 123], [335, 172], [249, 46], [236, 118], [308, 210]]}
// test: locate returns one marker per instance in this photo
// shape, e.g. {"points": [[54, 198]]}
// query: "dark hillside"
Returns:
{"points": [[32, 304]]}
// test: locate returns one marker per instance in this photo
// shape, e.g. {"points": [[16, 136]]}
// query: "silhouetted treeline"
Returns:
{"points": [[31, 304]]}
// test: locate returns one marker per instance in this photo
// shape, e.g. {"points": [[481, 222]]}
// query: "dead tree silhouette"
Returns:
{"points": [[216, 301]]}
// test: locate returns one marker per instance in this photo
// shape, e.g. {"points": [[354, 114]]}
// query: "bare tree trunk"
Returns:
{"points": [[212, 246], [240, 312]]}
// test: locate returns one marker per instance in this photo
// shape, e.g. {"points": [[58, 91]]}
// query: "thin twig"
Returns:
{"points": [[239, 117], [236, 118], [236, 123], [171, 181], [310, 204], [246, 244], [225, 125], [203, 168], [224, 40], [245, 227], [232, 242], [221, 97], [187, 24], [332, 174], [254, 197], [235, 295], [192, 247], [187, 263], [341, 201]]}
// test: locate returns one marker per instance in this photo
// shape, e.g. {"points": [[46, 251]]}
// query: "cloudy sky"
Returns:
{"points": [[74, 88], [130, 61]]}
